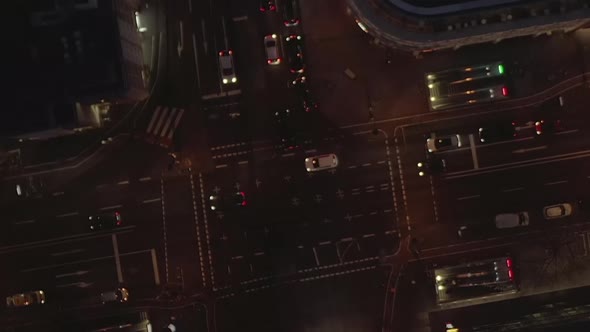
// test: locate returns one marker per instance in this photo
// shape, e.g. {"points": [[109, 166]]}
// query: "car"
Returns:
{"points": [[547, 126], [294, 49], [30, 186], [217, 201], [105, 221], [291, 13], [287, 129], [307, 102], [557, 211], [268, 5], [443, 143], [432, 165], [320, 163], [497, 132], [118, 295], [299, 82], [26, 299], [511, 220], [226, 67], [271, 46]]}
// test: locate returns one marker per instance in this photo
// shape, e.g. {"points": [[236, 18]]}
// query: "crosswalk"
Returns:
{"points": [[163, 124]]}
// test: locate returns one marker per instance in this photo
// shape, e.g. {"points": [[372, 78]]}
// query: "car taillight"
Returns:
{"points": [[269, 61], [510, 275], [504, 91], [509, 262]]}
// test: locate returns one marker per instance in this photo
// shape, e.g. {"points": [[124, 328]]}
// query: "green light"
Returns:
{"points": [[501, 69]]}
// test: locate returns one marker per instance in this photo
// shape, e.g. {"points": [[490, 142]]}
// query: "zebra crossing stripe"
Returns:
{"points": [[176, 122], [168, 121], [160, 120], [153, 120]]}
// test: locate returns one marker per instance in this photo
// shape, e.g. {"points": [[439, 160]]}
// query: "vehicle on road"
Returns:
{"points": [[294, 50], [268, 5], [105, 221], [217, 202], [271, 46], [29, 187], [432, 166], [118, 295], [547, 126], [291, 13], [497, 132], [475, 231], [557, 211], [299, 82], [287, 129], [320, 163], [26, 299], [511, 220], [443, 143], [226, 67]]}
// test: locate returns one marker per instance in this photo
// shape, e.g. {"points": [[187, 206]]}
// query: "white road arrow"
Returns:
{"points": [[77, 273], [180, 46], [76, 284], [530, 149]]}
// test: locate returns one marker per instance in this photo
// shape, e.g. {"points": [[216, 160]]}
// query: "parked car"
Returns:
{"points": [[25, 299], [105, 221], [443, 143], [511, 220], [497, 132], [217, 202], [432, 165], [294, 50], [271, 46], [319, 163], [118, 295], [557, 211]]}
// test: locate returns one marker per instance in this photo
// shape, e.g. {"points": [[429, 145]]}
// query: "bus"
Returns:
{"points": [[477, 279], [467, 85]]}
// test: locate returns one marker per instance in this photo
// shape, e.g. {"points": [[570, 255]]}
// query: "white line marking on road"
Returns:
{"points": [[381, 162], [290, 154], [473, 151], [259, 253], [555, 182], [123, 182], [237, 257], [145, 179], [530, 149], [22, 222], [62, 253], [513, 189], [387, 210], [59, 193], [567, 132], [198, 228], [205, 47], [196, 58], [110, 207], [467, 197], [324, 243], [243, 162], [311, 151], [164, 231], [315, 254], [207, 236], [70, 214], [369, 187], [366, 164], [370, 190], [151, 200], [221, 166], [368, 235], [117, 258], [352, 167], [190, 6], [240, 18], [346, 239], [373, 213]]}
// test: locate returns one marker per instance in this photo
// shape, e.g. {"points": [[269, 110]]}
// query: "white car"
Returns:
{"points": [[271, 46], [226, 67], [443, 143], [557, 211], [26, 299], [511, 220], [319, 163]]}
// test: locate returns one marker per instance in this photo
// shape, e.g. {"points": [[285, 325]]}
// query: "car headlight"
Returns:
{"points": [[234, 79], [225, 81]]}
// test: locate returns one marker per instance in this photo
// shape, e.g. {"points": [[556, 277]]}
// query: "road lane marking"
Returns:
{"points": [[542, 147], [259, 253], [346, 239], [243, 162], [22, 222], [351, 167], [153, 200], [240, 18], [110, 207], [198, 228], [72, 263], [123, 182], [196, 58], [467, 197], [70, 214], [155, 266], [381, 162], [71, 274], [144, 179], [62, 253], [59, 193], [473, 151], [366, 164], [368, 235], [315, 255], [290, 154], [373, 213], [205, 46], [555, 182], [567, 132], [513, 189], [221, 166], [324, 243], [207, 236], [237, 257], [117, 258]]}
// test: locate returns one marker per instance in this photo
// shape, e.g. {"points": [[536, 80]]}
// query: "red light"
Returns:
{"points": [[508, 262], [230, 52], [504, 91], [510, 275], [220, 53], [269, 61]]}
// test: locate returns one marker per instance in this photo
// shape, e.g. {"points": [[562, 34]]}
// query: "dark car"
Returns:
{"points": [[105, 221], [268, 5], [30, 186], [287, 129], [432, 166], [476, 232], [217, 201], [548, 126], [497, 132], [294, 49], [291, 13]]}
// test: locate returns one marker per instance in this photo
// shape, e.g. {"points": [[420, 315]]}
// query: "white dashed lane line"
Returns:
{"points": [[153, 200], [512, 189], [123, 182], [554, 183], [145, 179], [467, 197], [111, 207], [64, 215], [22, 222]]}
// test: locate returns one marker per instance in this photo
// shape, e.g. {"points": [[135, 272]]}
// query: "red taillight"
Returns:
{"points": [[510, 275], [504, 91], [261, 9], [269, 61], [230, 52], [508, 262]]}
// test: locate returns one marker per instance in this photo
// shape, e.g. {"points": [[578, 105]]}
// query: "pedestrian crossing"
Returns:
{"points": [[163, 124]]}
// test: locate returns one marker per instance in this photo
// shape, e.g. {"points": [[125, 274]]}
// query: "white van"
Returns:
{"points": [[511, 220]]}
